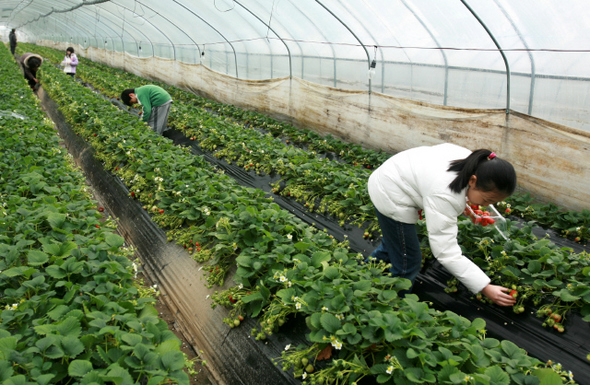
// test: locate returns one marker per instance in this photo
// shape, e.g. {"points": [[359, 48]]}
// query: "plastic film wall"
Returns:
{"points": [[388, 75], [526, 56]]}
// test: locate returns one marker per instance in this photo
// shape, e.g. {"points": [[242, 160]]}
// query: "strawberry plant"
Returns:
{"points": [[286, 268], [70, 310]]}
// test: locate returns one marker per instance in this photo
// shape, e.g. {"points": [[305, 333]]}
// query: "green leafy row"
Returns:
{"points": [[287, 268], [70, 309], [569, 223], [558, 279]]}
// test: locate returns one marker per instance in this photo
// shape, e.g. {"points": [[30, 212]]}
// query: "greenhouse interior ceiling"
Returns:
{"points": [[526, 56]]}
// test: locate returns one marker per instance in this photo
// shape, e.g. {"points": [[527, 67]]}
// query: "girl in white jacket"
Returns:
{"points": [[438, 180], [70, 62]]}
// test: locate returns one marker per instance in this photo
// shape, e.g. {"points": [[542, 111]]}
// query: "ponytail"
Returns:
{"points": [[492, 172]]}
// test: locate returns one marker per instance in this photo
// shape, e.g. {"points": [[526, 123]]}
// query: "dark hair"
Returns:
{"points": [[70, 49], [34, 62], [125, 98], [492, 174], [13, 30]]}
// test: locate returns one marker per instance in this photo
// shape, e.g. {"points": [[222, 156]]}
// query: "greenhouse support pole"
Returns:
{"points": [[220, 34], [533, 71], [442, 52], [280, 38], [353, 34], [501, 53]]}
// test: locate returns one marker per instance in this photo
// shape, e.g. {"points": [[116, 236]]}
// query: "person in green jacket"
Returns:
{"points": [[155, 102]]}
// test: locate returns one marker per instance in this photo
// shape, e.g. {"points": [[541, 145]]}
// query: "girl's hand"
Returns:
{"points": [[499, 295]]}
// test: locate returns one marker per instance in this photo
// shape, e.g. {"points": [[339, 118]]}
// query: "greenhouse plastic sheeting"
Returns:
{"points": [[552, 161], [447, 52]]}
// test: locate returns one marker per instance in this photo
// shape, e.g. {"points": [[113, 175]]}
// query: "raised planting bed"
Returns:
{"points": [[124, 164], [71, 310]]}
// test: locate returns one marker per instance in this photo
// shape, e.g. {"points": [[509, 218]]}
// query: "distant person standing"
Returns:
{"points": [[156, 103], [70, 62], [12, 39], [31, 63]]}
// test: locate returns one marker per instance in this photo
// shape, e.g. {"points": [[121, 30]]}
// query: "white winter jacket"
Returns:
{"points": [[418, 179]]}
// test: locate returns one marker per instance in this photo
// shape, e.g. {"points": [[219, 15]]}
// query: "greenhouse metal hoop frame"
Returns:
{"points": [[533, 76]]}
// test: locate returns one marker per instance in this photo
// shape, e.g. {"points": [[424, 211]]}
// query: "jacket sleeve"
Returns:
{"points": [[441, 223], [74, 61], [28, 74]]}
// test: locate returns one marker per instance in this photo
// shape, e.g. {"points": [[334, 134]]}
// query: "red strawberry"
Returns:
{"points": [[161, 211], [101, 209], [514, 293], [508, 211], [231, 299], [132, 194], [241, 317], [97, 226]]}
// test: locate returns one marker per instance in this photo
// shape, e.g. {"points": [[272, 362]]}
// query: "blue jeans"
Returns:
{"points": [[400, 246]]}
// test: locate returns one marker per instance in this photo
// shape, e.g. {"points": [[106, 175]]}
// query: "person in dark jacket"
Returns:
{"points": [[12, 39], [31, 63]]}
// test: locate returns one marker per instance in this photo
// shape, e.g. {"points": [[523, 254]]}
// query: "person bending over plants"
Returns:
{"points": [[156, 104], [30, 63], [438, 181]]}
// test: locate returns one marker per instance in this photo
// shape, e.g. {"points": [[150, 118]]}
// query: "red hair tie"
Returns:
{"points": [[492, 156]]}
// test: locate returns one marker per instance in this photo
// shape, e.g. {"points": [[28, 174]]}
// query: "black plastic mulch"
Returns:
{"points": [[569, 348]]}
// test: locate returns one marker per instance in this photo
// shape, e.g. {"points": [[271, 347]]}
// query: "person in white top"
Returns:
{"points": [[438, 181], [70, 62]]}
